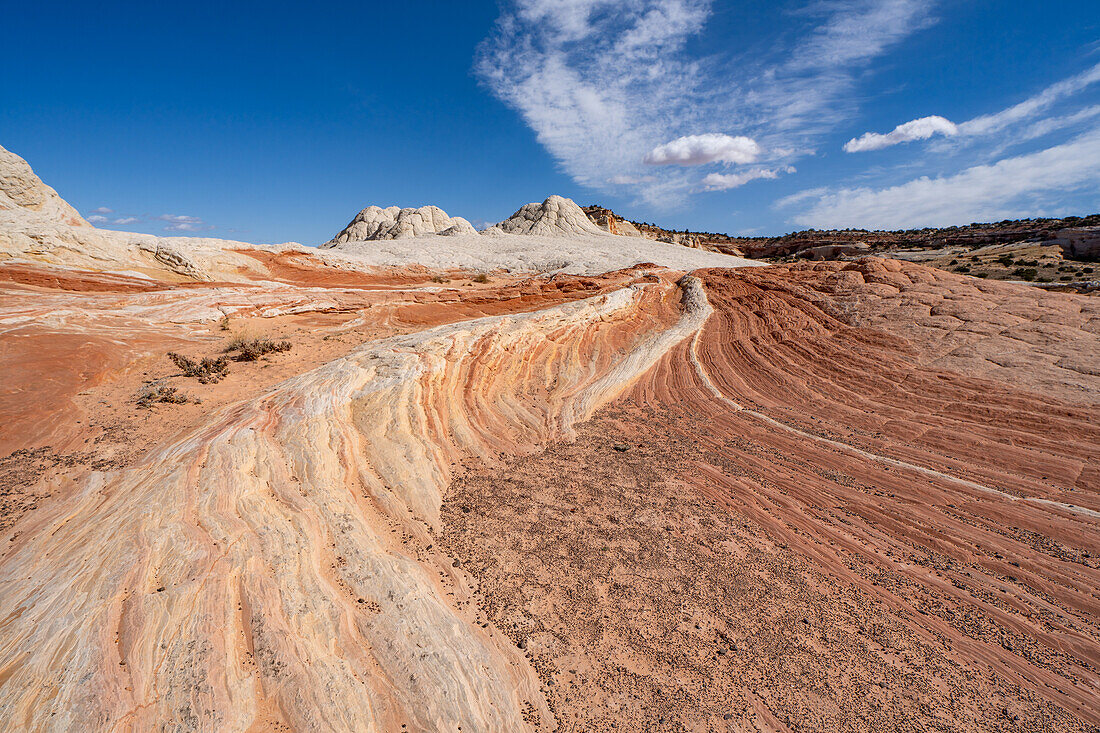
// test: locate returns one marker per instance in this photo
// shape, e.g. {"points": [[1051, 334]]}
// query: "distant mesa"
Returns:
{"points": [[375, 223], [557, 216]]}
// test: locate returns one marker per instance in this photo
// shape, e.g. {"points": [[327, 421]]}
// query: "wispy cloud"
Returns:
{"points": [[856, 31], [171, 222], [919, 129], [184, 223], [996, 122], [726, 181], [607, 85], [1032, 106], [1011, 187]]}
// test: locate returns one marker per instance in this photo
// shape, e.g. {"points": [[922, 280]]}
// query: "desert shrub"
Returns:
{"points": [[953, 262], [981, 274], [481, 278], [1066, 277], [439, 279], [205, 371], [151, 394], [963, 268], [251, 349], [1023, 273]]}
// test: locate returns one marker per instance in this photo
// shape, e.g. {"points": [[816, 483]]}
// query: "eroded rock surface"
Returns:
{"points": [[555, 217], [374, 223], [21, 189]]}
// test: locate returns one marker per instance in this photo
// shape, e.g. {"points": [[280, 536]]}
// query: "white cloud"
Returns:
{"points": [[184, 223], [125, 220], [603, 84], [725, 181], [919, 129], [102, 210], [97, 218], [706, 148], [1008, 188]]}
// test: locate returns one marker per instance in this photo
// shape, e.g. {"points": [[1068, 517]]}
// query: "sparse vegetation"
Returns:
{"points": [[223, 324], [247, 348], [151, 394], [439, 279], [481, 278], [1023, 273], [208, 370]]}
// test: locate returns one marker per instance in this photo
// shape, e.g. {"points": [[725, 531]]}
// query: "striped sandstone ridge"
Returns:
{"points": [[276, 564], [809, 517]]}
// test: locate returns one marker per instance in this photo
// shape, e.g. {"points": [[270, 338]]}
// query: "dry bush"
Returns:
{"points": [[151, 394], [207, 370], [251, 349], [481, 278]]}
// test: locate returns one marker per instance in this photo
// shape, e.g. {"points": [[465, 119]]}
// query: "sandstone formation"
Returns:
{"points": [[835, 251], [823, 496], [801, 520], [374, 223], [1082, 243], [555, 217], [606, 220], [21, 189]]}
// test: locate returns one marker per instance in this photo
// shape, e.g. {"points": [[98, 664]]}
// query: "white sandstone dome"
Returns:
{"points": [[374, 223], [557, 216]]}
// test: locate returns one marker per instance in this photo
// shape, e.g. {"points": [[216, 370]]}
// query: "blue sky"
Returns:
{"points": [[271, 122]]}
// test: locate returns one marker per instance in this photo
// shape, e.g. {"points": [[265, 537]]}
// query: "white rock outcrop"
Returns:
{"points": [[374, 223], [557, 216], [20, 188]]}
